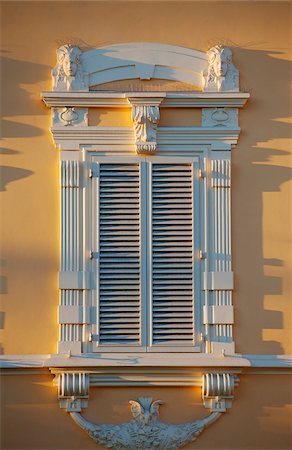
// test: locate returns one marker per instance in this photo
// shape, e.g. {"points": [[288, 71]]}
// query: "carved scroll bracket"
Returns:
{"points": [[145, 116], [73, 390], [218, 390], [145, 430]]}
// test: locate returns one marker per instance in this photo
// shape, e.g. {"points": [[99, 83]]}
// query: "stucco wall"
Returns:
{"points": [[259, 35], [261, 198], [259, 418]]}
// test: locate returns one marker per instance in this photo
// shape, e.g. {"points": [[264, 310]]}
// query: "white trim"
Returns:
{"points": [[144, 60], [194, 360], [115, 139], [120, 99]]}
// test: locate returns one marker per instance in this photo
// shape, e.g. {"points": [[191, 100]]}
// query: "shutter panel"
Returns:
{"points": [[172, 255], [119, 254]]}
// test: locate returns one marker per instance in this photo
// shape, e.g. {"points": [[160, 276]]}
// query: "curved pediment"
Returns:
{"points": [[79, 71], [144, 61]]}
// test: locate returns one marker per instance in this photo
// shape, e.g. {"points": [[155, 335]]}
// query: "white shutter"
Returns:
{"points": [[119, 267], [172, 255]]}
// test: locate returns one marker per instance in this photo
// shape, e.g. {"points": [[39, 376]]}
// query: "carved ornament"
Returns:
{"points": [[221, 74], [144, 431], [73, 390], [68, 73], [218, 390], [145, 119]]}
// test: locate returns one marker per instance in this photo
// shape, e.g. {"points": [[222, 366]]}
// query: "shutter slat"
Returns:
{"points": [[119, 254], [172, 255]]}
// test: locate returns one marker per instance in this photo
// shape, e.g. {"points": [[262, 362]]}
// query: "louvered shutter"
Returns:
{"points": [[146, 241], [119, 266], [172, 259]]}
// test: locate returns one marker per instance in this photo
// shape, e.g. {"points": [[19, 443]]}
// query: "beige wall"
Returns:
{"points": [[259, 418], [259, 35]]}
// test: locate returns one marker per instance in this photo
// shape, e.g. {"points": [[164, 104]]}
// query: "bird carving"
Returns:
{"points": [[144, 431]]}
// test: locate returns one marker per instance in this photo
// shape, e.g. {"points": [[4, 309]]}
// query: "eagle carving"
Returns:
{"points": [[144, 431]]}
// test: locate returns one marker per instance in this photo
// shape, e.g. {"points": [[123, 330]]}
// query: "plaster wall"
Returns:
{"points": [[32, 419], [259, 33]]}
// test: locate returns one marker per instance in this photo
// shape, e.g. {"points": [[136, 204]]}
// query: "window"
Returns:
{"points": [[146, 239], [155, 216]]}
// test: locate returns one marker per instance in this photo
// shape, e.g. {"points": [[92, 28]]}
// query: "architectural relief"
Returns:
{"points": [[68, 74], [145, 119], [145, 431], [82, 148], [220, 117], [218, 390], [73, 390], [70, 116], [221, 74]]}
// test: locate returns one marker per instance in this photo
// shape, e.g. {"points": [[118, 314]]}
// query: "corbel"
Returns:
{"points": [[73, 390], [145, 116], [144, 430], [218, 391]]}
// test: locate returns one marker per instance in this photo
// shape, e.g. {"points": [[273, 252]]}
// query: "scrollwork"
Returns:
{"points": [[145, 119], [144, 431]]}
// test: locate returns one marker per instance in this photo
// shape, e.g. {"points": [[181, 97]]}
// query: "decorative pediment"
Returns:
{"points": [[78, 71]]}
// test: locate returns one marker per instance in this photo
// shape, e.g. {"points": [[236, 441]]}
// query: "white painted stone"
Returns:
{"points": [[145, 431]]}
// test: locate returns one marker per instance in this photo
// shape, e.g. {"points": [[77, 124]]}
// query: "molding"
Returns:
{"points": [[116, 138], [77, 70], [75, 280], [158, 360], [144, 60], [120, 100], [144, 430]]}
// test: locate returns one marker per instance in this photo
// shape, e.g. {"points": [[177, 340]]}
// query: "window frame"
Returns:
{"points": [[78, 140], [193, 158]]}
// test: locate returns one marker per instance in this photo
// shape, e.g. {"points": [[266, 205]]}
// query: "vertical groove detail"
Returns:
{"points": [[70, 240], [221, 183]]}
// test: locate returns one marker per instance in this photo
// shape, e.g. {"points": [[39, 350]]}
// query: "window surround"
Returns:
{"points": [[211, 143]]}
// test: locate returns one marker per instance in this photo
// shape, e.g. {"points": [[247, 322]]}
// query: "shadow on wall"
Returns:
{"points": [[256, 420], [264, 118], [3, 290], [17, 102]]}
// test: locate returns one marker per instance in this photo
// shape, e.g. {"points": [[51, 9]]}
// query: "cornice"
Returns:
{"points": [[137, 360], [75, 137], [169, 99]]}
